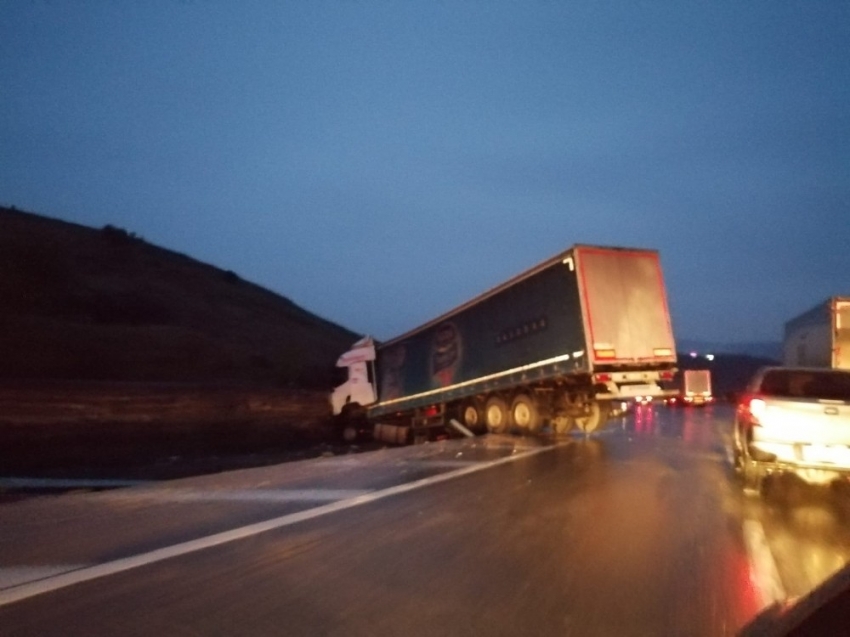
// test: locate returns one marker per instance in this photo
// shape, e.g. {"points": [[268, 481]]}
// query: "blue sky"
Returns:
{"points": [[381, 162]]}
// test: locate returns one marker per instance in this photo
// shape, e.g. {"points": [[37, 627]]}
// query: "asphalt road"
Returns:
{"points": [[641, 530]]}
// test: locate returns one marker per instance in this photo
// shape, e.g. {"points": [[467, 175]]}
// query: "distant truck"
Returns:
{"points": [[555, 345], [696, 387], [820, 337], [691, 387]]}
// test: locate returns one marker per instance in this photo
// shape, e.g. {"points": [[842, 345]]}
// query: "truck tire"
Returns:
{"points": [[470, 416], [496, 415], [525, 414], [596, 416], [392, 434]]}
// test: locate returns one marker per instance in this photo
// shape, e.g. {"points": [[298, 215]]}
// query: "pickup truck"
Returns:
{"points": [[793, 420]]}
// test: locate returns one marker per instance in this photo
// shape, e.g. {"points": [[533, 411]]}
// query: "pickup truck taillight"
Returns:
{"points": [[753, 405]]}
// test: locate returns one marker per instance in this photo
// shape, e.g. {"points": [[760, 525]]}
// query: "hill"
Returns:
{"points": [[104, 305], [123, 358]]}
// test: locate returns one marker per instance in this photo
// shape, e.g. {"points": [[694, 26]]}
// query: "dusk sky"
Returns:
{"points": [[381, 162]]}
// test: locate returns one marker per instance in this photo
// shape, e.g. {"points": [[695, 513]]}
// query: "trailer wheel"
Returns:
{"points": [[595, 417], [470, 415], [525, 414], [496, 415]]}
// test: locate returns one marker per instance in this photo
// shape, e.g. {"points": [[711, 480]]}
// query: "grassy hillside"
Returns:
{"points": [[79, 303]]}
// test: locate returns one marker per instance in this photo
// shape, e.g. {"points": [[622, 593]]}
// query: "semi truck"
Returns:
{"points": [[696, 387], [691, 387], [552, 347], [820, 337]]}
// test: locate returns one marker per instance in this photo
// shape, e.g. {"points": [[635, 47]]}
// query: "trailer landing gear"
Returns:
{"points": [[584, 414], [587, 423], [562, 423]]}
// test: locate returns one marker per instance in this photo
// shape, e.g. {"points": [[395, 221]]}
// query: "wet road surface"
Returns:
{"points": [[641, 530]]}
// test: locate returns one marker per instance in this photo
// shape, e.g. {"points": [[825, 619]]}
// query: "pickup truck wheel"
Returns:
{"points": [[496, 415], [525, 414], [749, 471], [595, 417], [738, 457], [752, 476], [737, 460]]}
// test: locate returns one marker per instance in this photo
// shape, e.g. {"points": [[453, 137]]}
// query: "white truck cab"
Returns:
{"points": [[357, 389]]}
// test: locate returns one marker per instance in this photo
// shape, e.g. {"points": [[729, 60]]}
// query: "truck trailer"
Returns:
{"points": [[820, 337], [692, 387], [552, 347], [696, 387]]}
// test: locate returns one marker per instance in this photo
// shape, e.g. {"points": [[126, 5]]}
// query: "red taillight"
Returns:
{"points": [[602, 378], [754, 405], [667, 375]]}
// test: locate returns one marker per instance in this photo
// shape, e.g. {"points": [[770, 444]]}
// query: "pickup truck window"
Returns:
{"points": [[813, 384]]}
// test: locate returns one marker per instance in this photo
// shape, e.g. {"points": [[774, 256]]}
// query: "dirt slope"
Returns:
{"points": [[80, 303]]}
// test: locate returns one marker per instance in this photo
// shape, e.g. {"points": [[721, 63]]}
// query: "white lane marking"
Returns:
{"points": [[66, 483], [31, 589], [439, 464], [16, 575], [763, 572], [237, 495]]}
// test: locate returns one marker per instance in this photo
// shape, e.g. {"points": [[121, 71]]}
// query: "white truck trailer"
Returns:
{"points": [[556, 345], [696, 389], [820, 337]]}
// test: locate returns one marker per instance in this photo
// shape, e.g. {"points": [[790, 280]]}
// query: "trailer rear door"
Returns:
{"points": [[698, 381], [624, 306]]}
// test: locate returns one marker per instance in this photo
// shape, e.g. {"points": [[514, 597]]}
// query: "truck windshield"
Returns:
{"points": [[828, 385]]}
